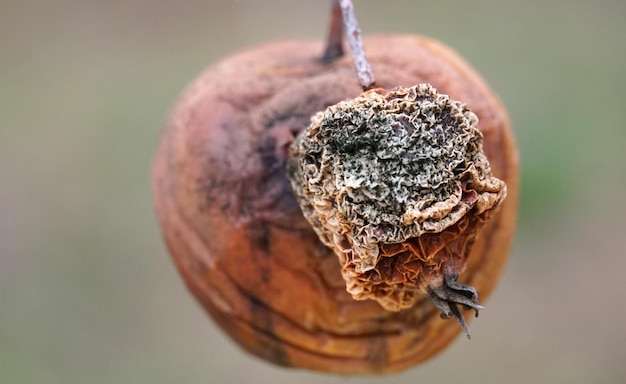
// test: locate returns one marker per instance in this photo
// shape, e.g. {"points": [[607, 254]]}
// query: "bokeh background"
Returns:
{"points": [[88, 293]]}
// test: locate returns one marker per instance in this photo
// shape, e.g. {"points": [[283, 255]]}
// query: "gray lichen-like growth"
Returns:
{"points": [[378, 172]]}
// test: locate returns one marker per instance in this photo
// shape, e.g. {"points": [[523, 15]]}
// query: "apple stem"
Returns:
{"points": [[334, 44]]}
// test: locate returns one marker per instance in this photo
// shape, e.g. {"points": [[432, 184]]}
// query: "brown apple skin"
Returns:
{"points": [[236, 232]]}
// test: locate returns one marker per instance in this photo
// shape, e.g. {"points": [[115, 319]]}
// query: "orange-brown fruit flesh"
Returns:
{"points": [[235, 230]]}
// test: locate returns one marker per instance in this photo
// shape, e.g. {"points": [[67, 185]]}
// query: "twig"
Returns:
{"points": [[363, 69]]}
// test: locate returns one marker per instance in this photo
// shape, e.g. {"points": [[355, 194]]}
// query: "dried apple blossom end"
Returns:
{"points": [[448, 294], [397, 184]]}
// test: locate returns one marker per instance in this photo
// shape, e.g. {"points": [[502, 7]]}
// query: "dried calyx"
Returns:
{"points": [[397, 184]]}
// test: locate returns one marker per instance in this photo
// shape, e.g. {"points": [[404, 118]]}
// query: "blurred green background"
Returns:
{"points": [[88, 293]]}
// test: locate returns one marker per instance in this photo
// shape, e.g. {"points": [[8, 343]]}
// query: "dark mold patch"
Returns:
{"points": [[259, 234], [269, 346]]}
